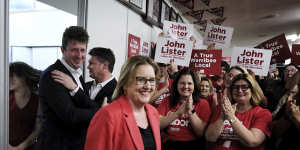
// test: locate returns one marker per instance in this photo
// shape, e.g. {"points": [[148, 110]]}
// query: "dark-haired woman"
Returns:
{"points": [[23, 106], [184, 115]]}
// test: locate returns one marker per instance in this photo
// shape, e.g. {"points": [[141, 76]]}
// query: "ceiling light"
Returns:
{"points": [[292, 37]]}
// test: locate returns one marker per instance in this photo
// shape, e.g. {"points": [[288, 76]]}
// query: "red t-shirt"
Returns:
{"points": [[180, 129], [256, 117], [165, 94]]}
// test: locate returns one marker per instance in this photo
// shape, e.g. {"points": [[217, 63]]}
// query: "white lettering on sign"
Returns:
{"points": [[274, 47], [297, 53], [133, 44]]}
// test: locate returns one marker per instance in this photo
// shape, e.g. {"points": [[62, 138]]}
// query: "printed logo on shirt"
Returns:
{"points": [[228, 132], [179, 123]]}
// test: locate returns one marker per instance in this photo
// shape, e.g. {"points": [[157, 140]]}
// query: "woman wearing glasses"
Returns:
{"points": [[183, 115], [129, 123], [243, 125]]}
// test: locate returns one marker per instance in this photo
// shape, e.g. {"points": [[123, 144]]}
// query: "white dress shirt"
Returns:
{"points": [[95, 88], [75, 73]]}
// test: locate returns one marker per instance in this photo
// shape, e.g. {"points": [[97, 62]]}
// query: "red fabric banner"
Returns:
{"points": [[279, 47], [295, 54]]}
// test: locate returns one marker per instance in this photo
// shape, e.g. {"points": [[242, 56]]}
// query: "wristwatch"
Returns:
{"points": [[192, 112], [232, 120]]}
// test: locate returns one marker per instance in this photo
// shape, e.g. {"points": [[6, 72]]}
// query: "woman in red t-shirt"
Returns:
{"points": [[241, 126], [183, 115]]}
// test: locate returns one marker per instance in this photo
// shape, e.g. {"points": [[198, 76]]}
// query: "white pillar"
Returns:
{"points": [[4, 13]]}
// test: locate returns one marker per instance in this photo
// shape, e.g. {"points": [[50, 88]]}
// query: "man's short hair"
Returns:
{"points": [[104, 54], [74, 33]]}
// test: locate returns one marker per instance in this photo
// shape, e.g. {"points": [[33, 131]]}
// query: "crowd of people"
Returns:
{"points": [[151, 105]]}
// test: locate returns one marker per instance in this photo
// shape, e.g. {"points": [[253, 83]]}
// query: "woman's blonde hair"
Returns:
{"points": [[128, 71], [257, 95]]}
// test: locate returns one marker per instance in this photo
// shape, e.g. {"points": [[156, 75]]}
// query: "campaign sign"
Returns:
{"points": [[169, 48], [219, 35], [206, 61], [258, 60], [177, 30], [279, 47], [133, 45], [295, 54], [145, 50]]}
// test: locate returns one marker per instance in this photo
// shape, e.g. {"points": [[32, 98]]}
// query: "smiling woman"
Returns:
{"points": [[243, 125], [184, 115], [129, 122]]}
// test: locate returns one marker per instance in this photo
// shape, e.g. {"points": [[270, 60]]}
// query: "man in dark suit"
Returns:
{"points": [[101, 65], [65, 117]]}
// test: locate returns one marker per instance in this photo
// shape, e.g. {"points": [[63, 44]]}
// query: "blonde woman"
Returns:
{"points": [[129, 123]]}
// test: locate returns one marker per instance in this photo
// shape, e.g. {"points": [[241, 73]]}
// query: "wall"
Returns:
{"points": [[4, 74], [108, 23]]}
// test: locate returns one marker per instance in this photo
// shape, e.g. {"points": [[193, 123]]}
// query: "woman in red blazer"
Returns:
{"points": [[129, 123]]}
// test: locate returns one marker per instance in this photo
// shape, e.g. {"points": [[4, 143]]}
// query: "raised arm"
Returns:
{"points": [[249, 137], [198, 125]]}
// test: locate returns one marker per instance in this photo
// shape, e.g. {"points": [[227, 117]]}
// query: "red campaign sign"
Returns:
{"points": [[279, 47], [133, 45], [295, 54], [206, 61]]}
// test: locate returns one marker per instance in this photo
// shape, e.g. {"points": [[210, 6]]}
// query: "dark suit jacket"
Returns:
{"points": [[106, 91], [64, 119], [118, 128]]}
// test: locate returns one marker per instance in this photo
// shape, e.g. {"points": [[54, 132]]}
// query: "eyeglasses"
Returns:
{"points": [[290, 70], [143, 81], [238, 87]]}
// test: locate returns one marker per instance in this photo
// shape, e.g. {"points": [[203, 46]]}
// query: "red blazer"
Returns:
{"points": [[114, 128]]}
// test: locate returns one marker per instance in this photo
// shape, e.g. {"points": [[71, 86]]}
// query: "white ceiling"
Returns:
{"points": [[254, 21]]}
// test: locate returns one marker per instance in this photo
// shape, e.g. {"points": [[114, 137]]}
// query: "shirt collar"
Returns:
{"points": [[72, 70], [103, 83]]}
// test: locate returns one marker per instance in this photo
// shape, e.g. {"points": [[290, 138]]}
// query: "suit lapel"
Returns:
{"points": [[65, 70], [131, 124], [106, 91]]}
